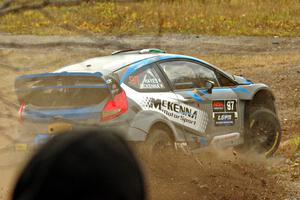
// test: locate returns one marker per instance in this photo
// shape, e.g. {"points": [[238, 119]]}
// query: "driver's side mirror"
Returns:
{"points": [[209, 85]]}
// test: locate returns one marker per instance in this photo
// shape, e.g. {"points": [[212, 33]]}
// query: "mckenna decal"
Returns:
{"points": [[180, 113], [173, 107], [167, 104]]}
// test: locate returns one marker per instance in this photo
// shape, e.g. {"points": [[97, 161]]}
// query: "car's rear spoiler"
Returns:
{"points": [[32, 82]]}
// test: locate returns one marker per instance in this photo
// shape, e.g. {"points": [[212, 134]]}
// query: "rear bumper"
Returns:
{"points": [[29, 131]]}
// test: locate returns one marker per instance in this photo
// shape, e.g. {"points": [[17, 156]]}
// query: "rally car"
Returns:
{"points": [[151, 97]]}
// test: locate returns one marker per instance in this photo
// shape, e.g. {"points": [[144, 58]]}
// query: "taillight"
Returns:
{"points": [[20, 112], [115, 107]]}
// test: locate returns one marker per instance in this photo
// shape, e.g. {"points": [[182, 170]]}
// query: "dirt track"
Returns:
{"points": [[212, 174]]}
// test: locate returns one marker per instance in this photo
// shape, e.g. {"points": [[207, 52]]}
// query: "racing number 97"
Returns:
{"points": [[231, 105]]}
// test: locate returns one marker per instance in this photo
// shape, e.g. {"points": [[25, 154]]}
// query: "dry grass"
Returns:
{"points": [[238, 63], [215, 17]]}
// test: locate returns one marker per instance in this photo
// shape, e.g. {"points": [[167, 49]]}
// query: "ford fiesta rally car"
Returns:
{"points": [[153, 97]]}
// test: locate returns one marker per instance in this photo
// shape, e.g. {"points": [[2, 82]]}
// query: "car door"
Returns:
{"points": [[218, 110], [148, 90]]}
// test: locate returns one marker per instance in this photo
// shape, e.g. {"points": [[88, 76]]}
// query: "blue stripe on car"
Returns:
{"points": [[195, 96], [96, 74], [78, 113], [241, 90]]}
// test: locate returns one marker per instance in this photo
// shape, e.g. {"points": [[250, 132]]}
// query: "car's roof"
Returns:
{"points": [[106, 64]]}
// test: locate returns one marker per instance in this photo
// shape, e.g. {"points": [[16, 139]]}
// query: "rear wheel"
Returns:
{"points": [[159, 141], [263, 133]]}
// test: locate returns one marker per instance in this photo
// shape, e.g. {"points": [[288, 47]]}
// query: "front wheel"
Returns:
{"points": [[263, 133]]}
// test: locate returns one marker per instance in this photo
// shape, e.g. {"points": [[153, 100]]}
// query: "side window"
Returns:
{"points": [[146, 80], [188, 75], [224, 81]]}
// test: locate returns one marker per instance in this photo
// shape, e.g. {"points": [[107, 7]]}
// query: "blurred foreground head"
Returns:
{"points": [[90, 164]]}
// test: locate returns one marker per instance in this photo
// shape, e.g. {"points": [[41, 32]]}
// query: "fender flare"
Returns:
{"points": [[248, 92], [145, 120]]}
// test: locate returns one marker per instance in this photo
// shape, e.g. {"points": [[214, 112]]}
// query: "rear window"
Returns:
{"points": [[146, 79], [65, 91]]}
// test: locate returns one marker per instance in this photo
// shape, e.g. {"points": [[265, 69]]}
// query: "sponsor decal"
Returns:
{"points": [[224, 119], [230, 105], [224, 105], [224, 112], [178, 112], [166, 104], [147, 79], [150, 81], [134, 80], [218, 106], [175, 110]]}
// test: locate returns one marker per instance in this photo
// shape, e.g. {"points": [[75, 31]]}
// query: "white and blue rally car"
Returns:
{"points": [[153, 97]]}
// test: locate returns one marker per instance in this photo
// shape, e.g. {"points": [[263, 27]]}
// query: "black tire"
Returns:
{"points": [[263, 132], [159, 141]]}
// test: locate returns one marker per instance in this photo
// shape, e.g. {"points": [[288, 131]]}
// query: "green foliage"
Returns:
{"points": [[209, 17]]}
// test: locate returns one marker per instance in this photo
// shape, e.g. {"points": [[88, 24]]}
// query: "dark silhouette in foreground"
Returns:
{"points": [[86, 164]]}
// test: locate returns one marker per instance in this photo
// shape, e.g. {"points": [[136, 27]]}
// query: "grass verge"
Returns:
{"points": [[216, 17]]}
